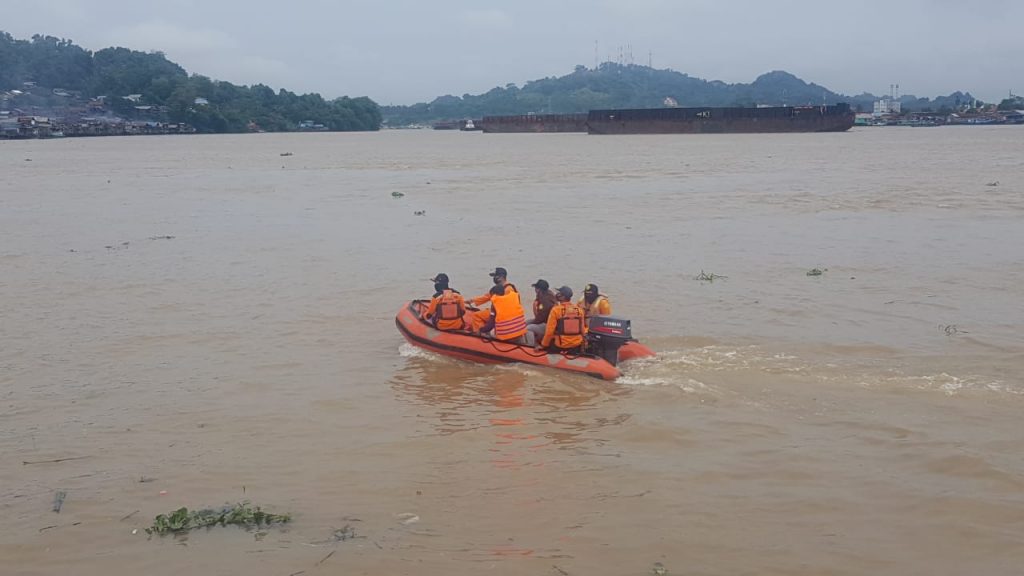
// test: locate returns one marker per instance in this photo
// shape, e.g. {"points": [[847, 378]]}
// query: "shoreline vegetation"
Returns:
{"points": [[50, 87]]}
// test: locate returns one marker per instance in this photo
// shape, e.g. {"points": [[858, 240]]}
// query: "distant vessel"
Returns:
{"points": [[837, 118], [535, 123], [470, 126]]}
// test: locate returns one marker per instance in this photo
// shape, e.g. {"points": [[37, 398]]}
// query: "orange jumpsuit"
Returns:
{"points": [[573, 324], [452, 309]]}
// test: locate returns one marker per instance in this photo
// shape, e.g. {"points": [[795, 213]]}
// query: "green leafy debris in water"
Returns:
{"points": [[242, 514]]}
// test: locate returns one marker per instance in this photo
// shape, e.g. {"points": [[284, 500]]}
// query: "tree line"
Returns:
{"points": [[173, 94]]}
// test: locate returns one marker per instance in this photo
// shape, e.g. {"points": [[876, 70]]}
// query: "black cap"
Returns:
{"points": [[590, 289], [541, 285], [565, 292], [499, 271], [441, 278]]}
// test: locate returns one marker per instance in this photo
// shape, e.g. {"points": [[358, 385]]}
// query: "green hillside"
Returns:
{"points": [[62, 76]]}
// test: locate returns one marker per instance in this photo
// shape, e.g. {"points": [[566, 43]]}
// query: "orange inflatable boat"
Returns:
{"points": [[609, 337]]}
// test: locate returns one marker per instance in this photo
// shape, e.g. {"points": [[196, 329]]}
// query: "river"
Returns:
{"points": [[197, 320]]}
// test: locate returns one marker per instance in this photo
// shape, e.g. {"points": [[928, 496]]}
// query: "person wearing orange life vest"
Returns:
{"points": [[567, 328], [500, 279], [447, 308], [506, 308], [594, 303]]}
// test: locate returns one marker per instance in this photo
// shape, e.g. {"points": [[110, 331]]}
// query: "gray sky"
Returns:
{"points": [[407, 51]]}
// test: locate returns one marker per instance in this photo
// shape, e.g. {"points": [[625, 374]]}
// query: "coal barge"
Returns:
{"points": [[534, 123], [837, 118]]}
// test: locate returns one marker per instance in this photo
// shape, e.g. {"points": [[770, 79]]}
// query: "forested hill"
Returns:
{"points": [[631, 86], [63, 76]]}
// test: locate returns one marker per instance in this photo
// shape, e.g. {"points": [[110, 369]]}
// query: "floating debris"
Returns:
{"points": [[420, 213], [952, 329], [659, 569], [286, 154], [58, 500], [346, 533], [397, 194], [161, 237], [407, 518], [241, 514], [338, 535], [324, 559], [54, 461], [706, 277], [816, 271], [996, 183]]}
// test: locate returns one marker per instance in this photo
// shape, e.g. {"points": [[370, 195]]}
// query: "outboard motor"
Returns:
{"points": [[606, 335]]}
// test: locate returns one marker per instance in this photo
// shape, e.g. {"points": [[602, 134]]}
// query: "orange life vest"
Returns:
{"points": [[569, 327], [509, 318], [450, 307], [571, 321]]}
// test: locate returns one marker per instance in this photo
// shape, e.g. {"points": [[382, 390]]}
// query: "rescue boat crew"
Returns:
{"points": [[566, 327], [509, 318], [447, 308], [542, 305], [594, 303]]}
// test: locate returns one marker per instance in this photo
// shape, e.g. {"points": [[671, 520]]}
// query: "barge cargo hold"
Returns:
{"points": [[534, 123], [837, 118]]}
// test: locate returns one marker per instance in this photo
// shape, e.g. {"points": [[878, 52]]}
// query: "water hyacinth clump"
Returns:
{"points": [[242, 514]]}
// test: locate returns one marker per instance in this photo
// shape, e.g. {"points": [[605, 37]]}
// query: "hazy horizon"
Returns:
{"points": [[403, 52]]}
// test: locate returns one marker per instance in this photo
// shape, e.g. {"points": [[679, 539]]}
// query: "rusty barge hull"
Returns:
{"points": [[533, 123], [837, 118]]}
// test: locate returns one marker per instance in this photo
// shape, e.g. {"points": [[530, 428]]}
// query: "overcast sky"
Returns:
{"points": [[407, 51]]}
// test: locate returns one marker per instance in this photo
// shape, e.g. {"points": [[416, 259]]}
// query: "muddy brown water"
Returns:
{"points": [[865, 421]]}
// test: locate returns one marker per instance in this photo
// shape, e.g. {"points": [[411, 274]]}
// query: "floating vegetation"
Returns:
{"points": [[816, 271], [952, 329], [241, 514], [706, 277], [397, 194]]}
